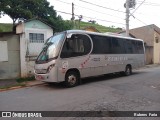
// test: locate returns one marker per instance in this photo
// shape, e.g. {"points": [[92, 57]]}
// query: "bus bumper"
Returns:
{"points": [[48, 77]]}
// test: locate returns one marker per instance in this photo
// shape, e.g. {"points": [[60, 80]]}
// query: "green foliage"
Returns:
{"points": [[59, 24], [27, 9], [20, 80], [5, 27], [100, 28], [15, 9]]}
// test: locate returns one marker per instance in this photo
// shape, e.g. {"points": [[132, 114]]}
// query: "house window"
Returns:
{"points": [[156, 39], [36, 37]]}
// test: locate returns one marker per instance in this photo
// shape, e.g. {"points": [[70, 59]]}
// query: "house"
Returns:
{"points": [[151, 36], [118, 34], [9, 55], [123, 33], [91, 29], [19, 50], [33, 34]]}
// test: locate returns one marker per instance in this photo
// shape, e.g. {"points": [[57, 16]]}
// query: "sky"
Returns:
{"points": [[107, 12]]}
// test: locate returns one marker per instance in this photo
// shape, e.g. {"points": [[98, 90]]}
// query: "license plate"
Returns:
{"points": [[39, 77]]}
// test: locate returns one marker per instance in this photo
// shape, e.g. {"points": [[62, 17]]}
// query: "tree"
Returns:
{"points": [[59, 24], [27, 9], [14, 9]]}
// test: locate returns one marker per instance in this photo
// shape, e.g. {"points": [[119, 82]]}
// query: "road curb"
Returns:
{"points": [[29, 84], [11, 88]]}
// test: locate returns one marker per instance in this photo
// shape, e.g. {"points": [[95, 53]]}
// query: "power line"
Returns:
{"points": [[64, 12], [99, 12], [104, 20], [146, 14], [140, 21], [64, 2], [102, 6], [154, 5], [138, 2], [91, 18], [91, 9], [109, 14], [149, 27], [137, 7], [149, 3]]}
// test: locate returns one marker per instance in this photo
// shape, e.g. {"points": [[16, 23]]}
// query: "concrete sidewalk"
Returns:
{"points": [[150, 66], [34, 83]]}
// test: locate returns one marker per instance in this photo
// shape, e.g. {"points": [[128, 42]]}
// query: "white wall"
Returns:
{"points": [[34, 49], [3, 51], [10, 56], [156, 49]]}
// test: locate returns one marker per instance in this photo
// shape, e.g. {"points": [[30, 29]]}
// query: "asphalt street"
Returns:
{"points": [[138, 92]]}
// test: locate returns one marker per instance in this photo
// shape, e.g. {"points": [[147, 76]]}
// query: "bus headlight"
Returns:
{"points": [[44, 71], [50, 67]]}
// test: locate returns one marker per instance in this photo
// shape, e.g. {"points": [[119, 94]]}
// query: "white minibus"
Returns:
{"points": [[74, 54]]}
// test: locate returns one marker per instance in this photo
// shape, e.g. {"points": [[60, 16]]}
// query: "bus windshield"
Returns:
{"points": [[50, 49]]}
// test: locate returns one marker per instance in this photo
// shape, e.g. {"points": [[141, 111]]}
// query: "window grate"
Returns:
{"points": [[36, 38]]}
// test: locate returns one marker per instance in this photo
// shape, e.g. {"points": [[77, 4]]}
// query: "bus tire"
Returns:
{"points": [[71, 79], [128, 70]]}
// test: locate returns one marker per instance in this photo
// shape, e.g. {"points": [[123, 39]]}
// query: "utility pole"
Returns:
{"points": [[80, 18], [72, 15], [129, 4], [127, 17]]}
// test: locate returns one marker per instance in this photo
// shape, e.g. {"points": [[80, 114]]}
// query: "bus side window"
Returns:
{"points": [[101, 44], [77, 45], [81, 45], [69, 45], [129, 47], [66, 50], [118, 46], [140, 47]]}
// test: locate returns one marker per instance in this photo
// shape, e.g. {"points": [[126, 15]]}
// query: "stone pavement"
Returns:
{"points": [[12, 82], [7, 82]]}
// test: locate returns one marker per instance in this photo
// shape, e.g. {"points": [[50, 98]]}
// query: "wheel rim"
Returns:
{"points": [[72, 79]]}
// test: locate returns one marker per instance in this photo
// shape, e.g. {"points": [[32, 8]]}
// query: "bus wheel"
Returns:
{"points": [[71, 79], [128, 70]]}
